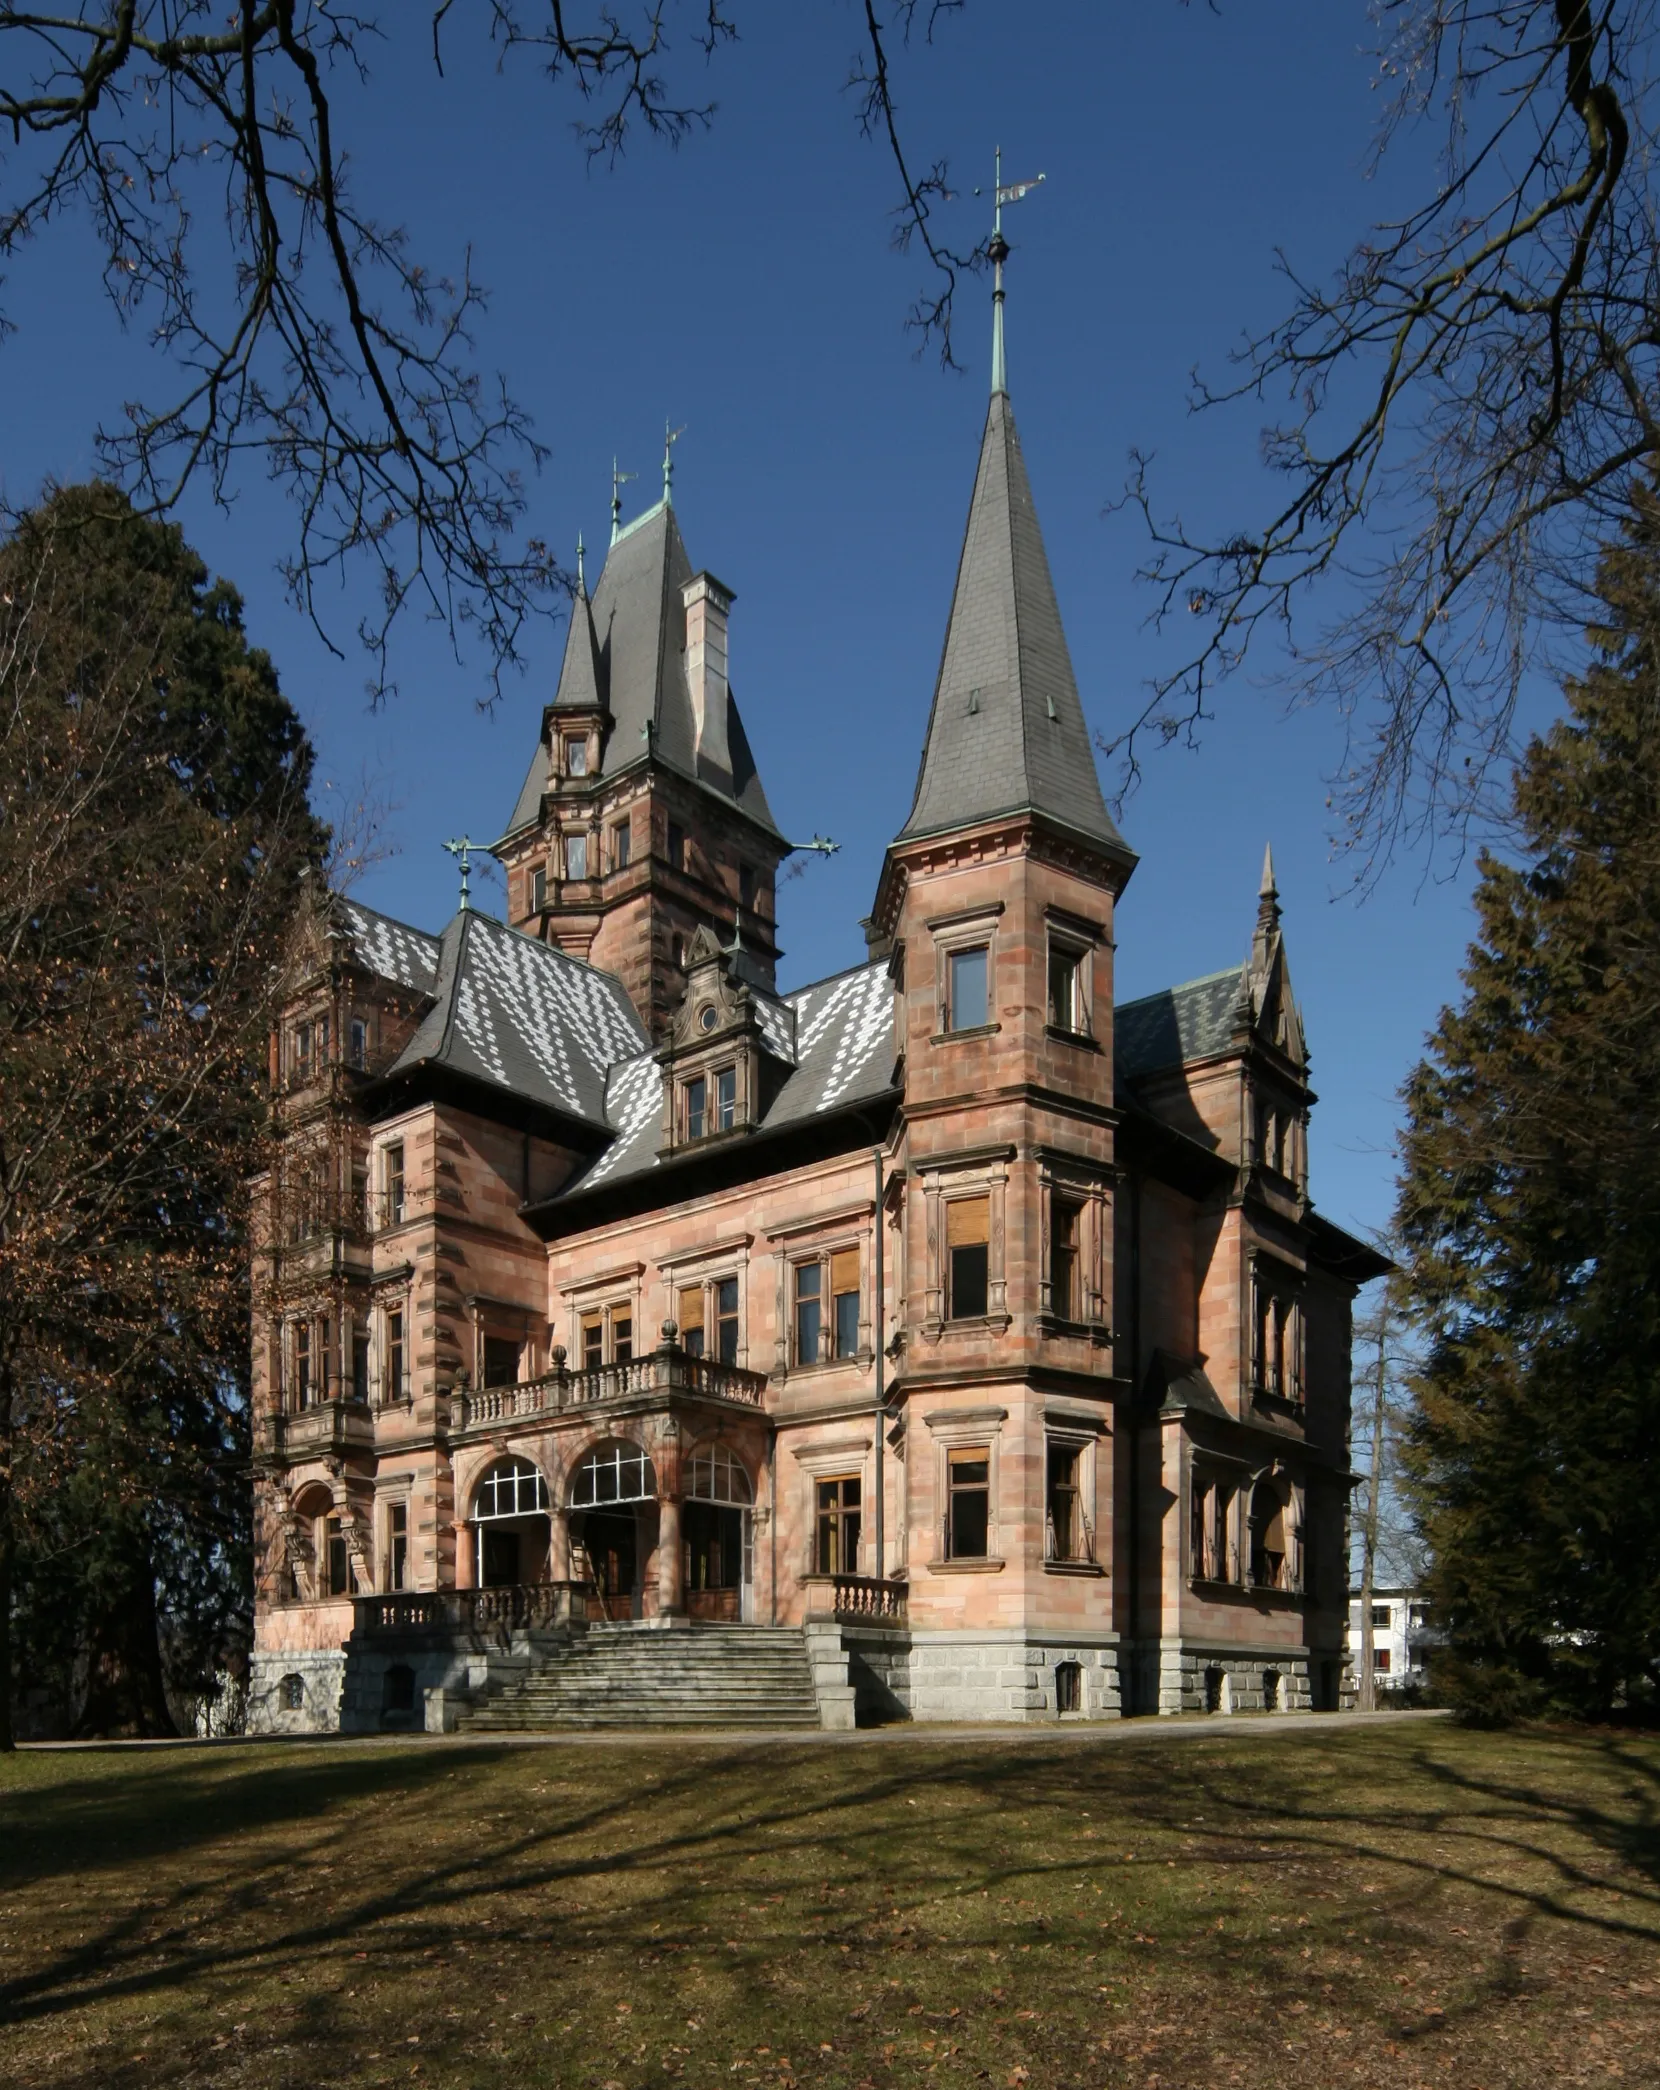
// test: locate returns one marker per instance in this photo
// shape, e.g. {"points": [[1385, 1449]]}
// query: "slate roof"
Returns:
{"points": [[639, 626], [390, 949], [523, 1017], [1007, 730], [841, 1052], [1178, 1023]]}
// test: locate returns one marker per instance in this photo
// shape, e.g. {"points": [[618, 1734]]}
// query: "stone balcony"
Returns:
{"points": [[326, 1427], [665, 1375]]}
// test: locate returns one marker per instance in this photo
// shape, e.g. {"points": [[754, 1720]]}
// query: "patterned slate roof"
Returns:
{"points": [[843, 1053], [639, 629], [392, 949], [524, 1017], [1007, 730], [1178, 1023]]}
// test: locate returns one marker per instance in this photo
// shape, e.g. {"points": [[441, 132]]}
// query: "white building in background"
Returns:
{"points": [[1401, 1637]]}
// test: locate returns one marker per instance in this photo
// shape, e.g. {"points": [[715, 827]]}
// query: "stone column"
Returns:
{"points": [[671, 1600], [466, 1556]]}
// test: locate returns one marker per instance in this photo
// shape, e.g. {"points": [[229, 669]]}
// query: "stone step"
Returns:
{"points": [[621, 1674]]}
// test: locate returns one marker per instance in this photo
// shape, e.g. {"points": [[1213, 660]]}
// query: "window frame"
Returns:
{"points": [[573, 842], [537, 893], [949, 1011], [394, 1357], [620, 835], [951, 1249], [967, 1457], [831, 1519], [824, 1257], [395, 1559], [394, 1182], [573, 754], [955, 936]]}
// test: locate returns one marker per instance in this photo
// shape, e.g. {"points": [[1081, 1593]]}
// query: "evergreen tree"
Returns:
{"points": [[1530, 1211], [153, 823]]}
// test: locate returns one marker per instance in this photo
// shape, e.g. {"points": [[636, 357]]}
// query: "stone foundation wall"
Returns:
{"points": [[322, 1673], [1192, 1678], [978, 1675]]}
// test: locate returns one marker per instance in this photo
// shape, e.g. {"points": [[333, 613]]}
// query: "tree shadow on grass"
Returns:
{"points": [[879, 1857]]}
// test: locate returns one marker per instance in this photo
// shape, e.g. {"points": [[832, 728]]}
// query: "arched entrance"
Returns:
{"points": [[613, 1496], [511, 1526], [717, 1528]]}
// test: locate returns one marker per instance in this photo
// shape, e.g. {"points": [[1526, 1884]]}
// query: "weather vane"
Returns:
{"points": [[462, 847], [999, 251], [618, 481], [671, 436]]}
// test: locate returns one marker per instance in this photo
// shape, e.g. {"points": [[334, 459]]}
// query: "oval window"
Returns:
{"points": [[708, 1017]]}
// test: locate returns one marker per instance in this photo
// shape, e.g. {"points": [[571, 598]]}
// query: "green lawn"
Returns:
{"points": [[1395, 1903]]}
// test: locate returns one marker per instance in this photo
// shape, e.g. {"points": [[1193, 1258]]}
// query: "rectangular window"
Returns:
{"points": [[1380, 1659], [837, 1549], [576, 856], [968, 1503], [677, 846], [697, 1107], [501, 1361], [1064, 1530], [967, 1007], [809, 1311], [622, 1334], [339, 1567], [746, 885], [1066, 1218], [593, 1341], [538, 888], [621, 845], [302, 1364], [968, 1251], [1066, 982], [394, 1182], [844, 1301], [1380, 1616], [726, 1099], [360, 1364], [360, 1214], [576, 760], [322, 1041], [726, 1320], [689, 1310], [302, 1052], [359, 1043], [394, 1354], [397, 1546]]}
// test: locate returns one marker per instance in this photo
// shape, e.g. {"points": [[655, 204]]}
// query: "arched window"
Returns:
{"points": [[511, 1488], [613, 1473], [716, 1476]]}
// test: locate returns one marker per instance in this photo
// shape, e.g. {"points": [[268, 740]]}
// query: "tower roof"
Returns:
{"points": [[1007, 732], [638, 660]]}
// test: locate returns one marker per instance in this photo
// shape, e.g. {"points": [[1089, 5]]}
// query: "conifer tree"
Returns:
{"points": [[1530, 1210], [153, 822]]}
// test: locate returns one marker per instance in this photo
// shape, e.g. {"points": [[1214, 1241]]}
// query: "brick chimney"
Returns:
{"points": [[708, 602]]}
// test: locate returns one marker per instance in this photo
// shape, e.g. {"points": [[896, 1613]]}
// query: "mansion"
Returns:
{"points": [[938, 1340]]}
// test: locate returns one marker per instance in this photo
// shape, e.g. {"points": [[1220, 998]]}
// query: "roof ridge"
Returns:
{"points": [[1203, 979], [847, 971]]}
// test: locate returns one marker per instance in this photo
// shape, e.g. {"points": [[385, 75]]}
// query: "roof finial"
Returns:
{"points": [[1268, 908], [581, 565], [671, 436], [999, 253], [618, 481], [463, 847]]}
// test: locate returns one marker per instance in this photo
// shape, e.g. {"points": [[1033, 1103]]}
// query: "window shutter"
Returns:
{"points": [[690, 1310], [968, 1222]]}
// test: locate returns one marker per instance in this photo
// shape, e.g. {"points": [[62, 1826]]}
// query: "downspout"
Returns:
{"points": [[881, 1319], [772, 1525], [1136, 1663]]}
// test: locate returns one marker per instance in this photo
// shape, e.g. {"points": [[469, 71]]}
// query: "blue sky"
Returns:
{"points": [[744, 286]]}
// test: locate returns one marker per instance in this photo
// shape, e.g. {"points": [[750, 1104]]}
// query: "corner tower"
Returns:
{"points": [[642, 818], [996, 905]]}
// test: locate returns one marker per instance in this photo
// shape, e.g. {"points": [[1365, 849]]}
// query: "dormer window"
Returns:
{"points": [[711, 1103], [708, 1017], [576, 757], [576, 856]]}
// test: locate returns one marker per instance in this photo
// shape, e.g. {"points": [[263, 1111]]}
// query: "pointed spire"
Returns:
{"points": [[579, 675], [581, 567], [1268, 913], [671, 436], [1007, 730]]}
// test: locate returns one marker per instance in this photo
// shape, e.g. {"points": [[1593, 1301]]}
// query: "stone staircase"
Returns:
{"points": [[676, 1677]]}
